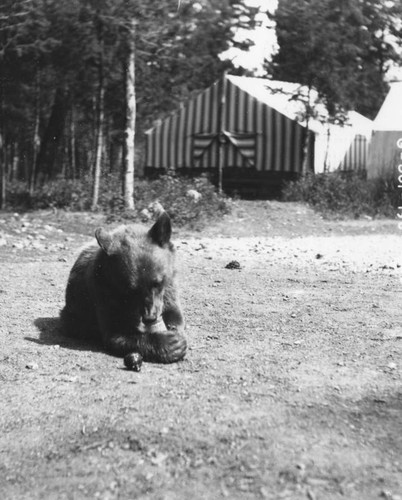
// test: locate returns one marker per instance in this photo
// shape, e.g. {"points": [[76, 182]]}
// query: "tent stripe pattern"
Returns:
{"points": [[244, 144], [226, 125], [356, 156]]}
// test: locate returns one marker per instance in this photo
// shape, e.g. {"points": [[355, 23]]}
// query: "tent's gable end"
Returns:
{"points": [[269, 104], [185, 106], [389, 117]]}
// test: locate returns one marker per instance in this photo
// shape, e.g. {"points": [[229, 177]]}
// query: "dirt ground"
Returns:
{"points": [[291, 388]]}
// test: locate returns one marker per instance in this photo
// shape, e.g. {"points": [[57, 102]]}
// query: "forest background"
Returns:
{"points": [[79, 80]]}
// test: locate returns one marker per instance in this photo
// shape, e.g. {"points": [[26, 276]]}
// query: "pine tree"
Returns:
{"points": [[337, 47], [63, 83]]}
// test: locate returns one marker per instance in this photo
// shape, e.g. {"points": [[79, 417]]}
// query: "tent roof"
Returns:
{"points": [[278, 95], [390, 115], [287, 98]]}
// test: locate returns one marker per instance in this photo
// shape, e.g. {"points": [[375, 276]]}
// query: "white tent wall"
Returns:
{"points": [[384, 152], [333, 142], [331, 145]]}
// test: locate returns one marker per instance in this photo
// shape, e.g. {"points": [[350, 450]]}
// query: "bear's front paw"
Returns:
{"points": [[166, 347], [175, 346]]}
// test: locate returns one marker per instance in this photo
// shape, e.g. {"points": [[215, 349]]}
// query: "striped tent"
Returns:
{"points": [[253, 131], [228, 125], [357, 154]]}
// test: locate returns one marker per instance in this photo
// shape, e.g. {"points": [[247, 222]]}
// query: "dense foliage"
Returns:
{"points": [[342, 48], [343, 194], [60, 61], [63, 68], [174, 193]]}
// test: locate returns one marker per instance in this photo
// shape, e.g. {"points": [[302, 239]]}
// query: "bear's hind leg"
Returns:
{"points": [[77, 324]]}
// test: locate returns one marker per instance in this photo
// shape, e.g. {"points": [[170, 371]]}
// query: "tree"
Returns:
{"points": [[181, 55], [173, 49], [23, 49], [383, 35], [339, 47], [99, 28], [63, 78], [129, 152]]}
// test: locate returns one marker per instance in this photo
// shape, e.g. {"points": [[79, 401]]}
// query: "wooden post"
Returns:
{"points": [[221, 135]]}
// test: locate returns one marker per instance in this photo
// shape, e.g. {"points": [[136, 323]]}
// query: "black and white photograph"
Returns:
{"points": [[201, 249]]}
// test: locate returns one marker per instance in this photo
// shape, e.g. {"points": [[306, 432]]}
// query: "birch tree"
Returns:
{"points": [[100, 115], [129, 149]]}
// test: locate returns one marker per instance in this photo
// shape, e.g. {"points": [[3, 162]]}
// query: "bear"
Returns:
{"points": [[120, 291]]}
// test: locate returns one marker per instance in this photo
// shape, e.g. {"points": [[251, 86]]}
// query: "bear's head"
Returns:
{"points": [[137, 266]]}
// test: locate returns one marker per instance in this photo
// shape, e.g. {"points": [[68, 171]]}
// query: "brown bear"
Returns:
{"points": [[121, 291]]}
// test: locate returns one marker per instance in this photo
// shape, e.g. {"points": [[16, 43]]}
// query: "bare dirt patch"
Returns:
{"points": [[291, 387]]}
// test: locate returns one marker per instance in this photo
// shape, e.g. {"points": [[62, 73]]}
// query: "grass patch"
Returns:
{"points": [[170, 190], [346, 195]]}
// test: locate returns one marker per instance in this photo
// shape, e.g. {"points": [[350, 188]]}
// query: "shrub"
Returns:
{"points": [[60, 193], [345, 194], [170, 190]]}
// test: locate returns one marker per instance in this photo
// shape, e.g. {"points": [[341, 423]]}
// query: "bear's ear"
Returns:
{"points": [[104, 239], [161, 231]]}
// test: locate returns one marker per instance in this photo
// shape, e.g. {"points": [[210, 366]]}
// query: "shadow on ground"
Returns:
{"points": [[374, 419], [50, 333]]}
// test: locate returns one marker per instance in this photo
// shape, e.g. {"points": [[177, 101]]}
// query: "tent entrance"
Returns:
{"points": [[227, 148], [205, 150]]}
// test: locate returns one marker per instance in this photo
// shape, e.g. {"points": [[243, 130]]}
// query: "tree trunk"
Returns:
{"points": [[2, 151], [13, 162], [306, 146], [36, 137], [99, 130], [73, 153], [3, 173], [326, 163], [91, 150], [129, 150], [52, 136]]}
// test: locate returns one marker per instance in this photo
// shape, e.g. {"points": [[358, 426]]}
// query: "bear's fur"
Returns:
{"points": [[124, 283]]}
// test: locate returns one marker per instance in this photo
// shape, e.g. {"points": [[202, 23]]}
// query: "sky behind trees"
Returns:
{"points": [[263, 36]]}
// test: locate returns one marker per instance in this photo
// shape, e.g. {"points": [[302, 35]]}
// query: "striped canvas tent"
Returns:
{"points": [[253, 130], [350, 142], [231, 124], [357, 154]]}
